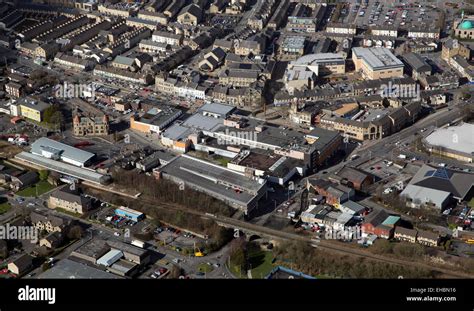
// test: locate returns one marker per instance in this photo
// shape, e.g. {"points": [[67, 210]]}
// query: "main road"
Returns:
{"points": [[387, 145]]}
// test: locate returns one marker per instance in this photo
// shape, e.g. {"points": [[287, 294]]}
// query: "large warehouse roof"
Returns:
{"points": [[442, 179], [215, 180], [69, 269], [426, 194], [378, 58], [45, 144], [63, 168], [216, 108], [457, 138]]}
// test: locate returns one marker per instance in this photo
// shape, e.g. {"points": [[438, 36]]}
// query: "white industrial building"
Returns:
{"points": [[455, 142], [55, 150], [110, 258]]}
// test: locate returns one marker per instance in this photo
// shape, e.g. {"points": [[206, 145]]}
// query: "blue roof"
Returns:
{"points": [[442, 173], [291, 273], [391, 220]]}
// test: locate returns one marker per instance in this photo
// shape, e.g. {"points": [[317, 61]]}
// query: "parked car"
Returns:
{"points": [[163, 270]]}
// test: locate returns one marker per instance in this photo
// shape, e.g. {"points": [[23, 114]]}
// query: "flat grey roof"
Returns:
{"points": [[67, 151], [69, 269], [214, 179], [198, 121], [123, 60], [323, 137], [220, 109], [122, 266], [416, 62], [378, 58], [177, 132], [275, 136], [61, 167], [33, 104], [444, 137], [425, 194], [95, 248], [127, 248], [159, 115]]}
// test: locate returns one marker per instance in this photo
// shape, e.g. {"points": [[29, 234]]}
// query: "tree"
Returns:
{"points": [[43, 174], [382, 246], [237, 258], [48, 113], [238, 253], [75, 233], [57, 118], [221, 237], [465, 95]]}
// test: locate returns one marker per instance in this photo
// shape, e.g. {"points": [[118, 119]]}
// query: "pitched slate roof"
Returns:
{"points": [[443, 179], [405, 231], [376, 218]]}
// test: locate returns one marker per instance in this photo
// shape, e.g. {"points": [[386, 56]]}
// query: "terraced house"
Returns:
{"points": [[49, 223]]}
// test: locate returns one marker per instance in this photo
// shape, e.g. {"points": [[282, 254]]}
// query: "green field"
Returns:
{"points": [[223, 161], [43, 186], [471, 203], [204, 267], [259, 262], [4, 207], [236, 271]]}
